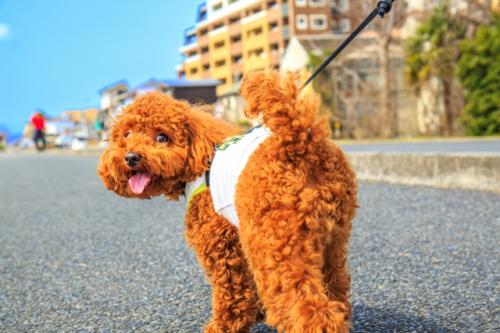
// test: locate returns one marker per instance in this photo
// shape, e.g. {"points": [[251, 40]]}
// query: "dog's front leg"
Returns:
{"points": [[216, 243]]}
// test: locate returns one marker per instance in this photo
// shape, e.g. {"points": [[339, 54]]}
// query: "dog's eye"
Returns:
{"points": [[162, 138], [127, 135]]}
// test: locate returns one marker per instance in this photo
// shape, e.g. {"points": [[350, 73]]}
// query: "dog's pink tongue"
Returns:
{"points": [[138, 182]]}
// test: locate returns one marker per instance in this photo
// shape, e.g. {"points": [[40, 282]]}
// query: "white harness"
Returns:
{"points": [[230, 159]]}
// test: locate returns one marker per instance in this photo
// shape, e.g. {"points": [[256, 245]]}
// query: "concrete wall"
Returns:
{"points": [[475, 172]]}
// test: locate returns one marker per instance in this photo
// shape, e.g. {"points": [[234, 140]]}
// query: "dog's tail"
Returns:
{"points": [[284, 110]]}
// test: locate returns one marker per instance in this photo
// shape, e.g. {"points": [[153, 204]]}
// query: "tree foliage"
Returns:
{"points": [[479, 73], [433, 51]]}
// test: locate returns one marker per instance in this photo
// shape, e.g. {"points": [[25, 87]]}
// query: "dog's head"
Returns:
{"points": [[157, 145]]}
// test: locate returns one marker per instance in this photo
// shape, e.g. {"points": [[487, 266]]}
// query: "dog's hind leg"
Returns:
{"points": [[217, 246], [335, 271], [287, 259]]}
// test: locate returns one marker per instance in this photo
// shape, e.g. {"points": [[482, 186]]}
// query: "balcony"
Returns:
{"points": [[274, 58], [203, 40], [274, 13], [192, 58], [188, 47], [236, 48], [275, 35], [217, 31], [237, 68], [205, 57], [254, 17], [235, 29]]}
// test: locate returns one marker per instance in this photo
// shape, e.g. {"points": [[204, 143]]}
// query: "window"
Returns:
{"points": [[318, 22], [345, 25], [235, 39], [275, 47], [218, 25], [206, 67], [204, 50], [192, 54], [217, 6], [317, 3], [236, 59], [301, 22], [301, 3], [273, 25], [234, 19], [257, 53], [193, 71], [203, 32], [254, 32], [219, 44], [189, 39], [256, 10], [271, 3], [237, 78], [220, 63], [232, 1], [343, 5]]}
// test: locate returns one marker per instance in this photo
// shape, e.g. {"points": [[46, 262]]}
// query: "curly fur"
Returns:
{"points": [[295, 200]]}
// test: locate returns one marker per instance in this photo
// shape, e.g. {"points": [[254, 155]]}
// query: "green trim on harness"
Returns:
{"points": [[200, 189]]}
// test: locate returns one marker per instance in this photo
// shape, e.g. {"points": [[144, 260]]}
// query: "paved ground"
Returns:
{"points": [[491, 146], [75, 258]]}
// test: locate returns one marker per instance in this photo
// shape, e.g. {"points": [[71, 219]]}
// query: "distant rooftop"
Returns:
{"points": [[113, 86]]}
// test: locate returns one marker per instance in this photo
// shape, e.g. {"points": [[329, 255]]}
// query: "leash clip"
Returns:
{"points": [[384, 7]]}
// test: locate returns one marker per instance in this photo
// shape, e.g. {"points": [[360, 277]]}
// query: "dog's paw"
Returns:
{"points": [[213, 327], [317, 317]]}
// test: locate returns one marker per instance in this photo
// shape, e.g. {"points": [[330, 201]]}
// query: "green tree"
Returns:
{"points": [[433, 53], [479, 73]]}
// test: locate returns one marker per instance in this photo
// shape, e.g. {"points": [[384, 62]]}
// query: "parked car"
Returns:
{"points": [[64, 140], [26, 143], [79, 143]]}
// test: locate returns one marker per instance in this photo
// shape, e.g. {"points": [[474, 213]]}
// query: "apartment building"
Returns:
{"points": [[233, 37]]}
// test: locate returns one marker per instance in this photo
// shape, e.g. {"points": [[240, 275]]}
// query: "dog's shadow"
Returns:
{"points": [[372, 319]]}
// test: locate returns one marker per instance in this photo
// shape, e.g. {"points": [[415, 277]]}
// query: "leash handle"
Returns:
{"points": [[383, 7]]}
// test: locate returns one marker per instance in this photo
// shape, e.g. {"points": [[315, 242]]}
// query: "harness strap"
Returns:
{"points": [[198, 186]]}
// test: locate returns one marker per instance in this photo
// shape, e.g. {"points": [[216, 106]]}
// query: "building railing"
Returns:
{"points": [[193, 58]]}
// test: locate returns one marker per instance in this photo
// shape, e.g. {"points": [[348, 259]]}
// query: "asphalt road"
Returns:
{"points": [[76, 258], [483, 146]]}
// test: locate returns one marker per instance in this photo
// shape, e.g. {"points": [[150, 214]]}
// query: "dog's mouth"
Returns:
{"points": [[138, 182]]}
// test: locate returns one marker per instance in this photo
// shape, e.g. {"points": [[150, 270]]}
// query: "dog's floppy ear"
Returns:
{"points": [[111, 170], [205, 131]]}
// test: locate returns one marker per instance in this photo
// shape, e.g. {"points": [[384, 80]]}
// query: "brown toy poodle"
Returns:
{"points": [[284, 258]]}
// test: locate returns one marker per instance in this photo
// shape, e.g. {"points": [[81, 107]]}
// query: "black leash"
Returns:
{"points": [[383, 7]]}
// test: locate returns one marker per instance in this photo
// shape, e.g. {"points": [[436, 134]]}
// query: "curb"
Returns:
{"points": [[464, 171]]}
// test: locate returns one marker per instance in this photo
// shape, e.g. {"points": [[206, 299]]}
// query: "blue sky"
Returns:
{"points": [[56, 54]]}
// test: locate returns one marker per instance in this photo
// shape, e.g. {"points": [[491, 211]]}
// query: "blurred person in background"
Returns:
{"points": [[3, 144], [38, 122], [100, 126]]}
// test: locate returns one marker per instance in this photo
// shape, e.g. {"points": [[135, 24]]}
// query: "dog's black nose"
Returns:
{"points": [[132, 159]]}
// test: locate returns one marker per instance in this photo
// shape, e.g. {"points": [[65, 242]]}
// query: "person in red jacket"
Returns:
{"points": [[38, 122]]}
